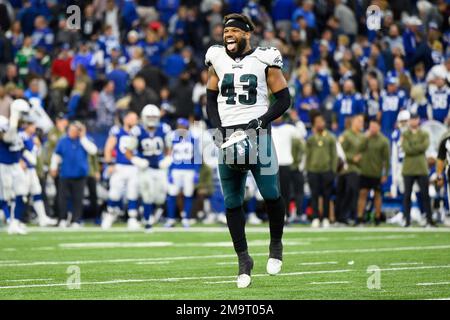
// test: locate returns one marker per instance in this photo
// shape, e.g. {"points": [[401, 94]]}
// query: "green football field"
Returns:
{"points": [[200, 264]]}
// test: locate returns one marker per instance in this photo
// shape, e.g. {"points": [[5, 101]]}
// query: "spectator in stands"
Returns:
{"points": [[5, 102], [106, 108], [142, 95], [181, 95]]}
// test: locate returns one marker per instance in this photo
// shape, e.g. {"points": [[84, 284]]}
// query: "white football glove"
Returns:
{"points": [[141, 163], [165, 163]]}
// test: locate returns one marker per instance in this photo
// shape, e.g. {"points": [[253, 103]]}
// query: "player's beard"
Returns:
{"points": [[241, 45]]}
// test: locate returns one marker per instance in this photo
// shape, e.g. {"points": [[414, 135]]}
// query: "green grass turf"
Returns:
{"points": [[178, 271]]}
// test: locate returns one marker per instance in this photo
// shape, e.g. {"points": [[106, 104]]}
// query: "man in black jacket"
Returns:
{"points": [[142, 95]]}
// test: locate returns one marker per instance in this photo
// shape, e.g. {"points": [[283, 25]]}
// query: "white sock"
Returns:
{"points": [[40, 209]]}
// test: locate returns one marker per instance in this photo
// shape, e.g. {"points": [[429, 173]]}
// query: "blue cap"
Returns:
{"points": [[183, 122]]}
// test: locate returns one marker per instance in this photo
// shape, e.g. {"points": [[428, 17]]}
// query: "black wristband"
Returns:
{"points": [[212, 108]]}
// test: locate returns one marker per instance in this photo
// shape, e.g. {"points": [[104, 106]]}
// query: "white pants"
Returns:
{"points": [[13, 181], [182, 180], [153, 186], [33, 186], [123, 182]]}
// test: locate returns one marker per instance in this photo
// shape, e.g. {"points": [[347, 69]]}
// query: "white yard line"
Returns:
{"points": [[133, 244], [216, 277], [154, 262], [416, 268], [167, 279], [103, 245], [227, 263], [218, 256], [26, 280], [330, 282], [317, 263], [433, 283], [405, 263]]}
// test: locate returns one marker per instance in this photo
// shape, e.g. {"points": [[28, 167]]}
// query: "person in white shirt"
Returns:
{"points": [[283, 136]]}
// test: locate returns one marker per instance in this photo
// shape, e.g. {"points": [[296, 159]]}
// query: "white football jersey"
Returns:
{"points": [[243, 93]]}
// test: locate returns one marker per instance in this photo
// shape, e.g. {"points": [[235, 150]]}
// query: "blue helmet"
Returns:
{"points": [[239, 151]]}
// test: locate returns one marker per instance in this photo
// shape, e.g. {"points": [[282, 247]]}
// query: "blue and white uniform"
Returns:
{"points": [[439, 102], [391, 104], [153, 179], [31, 185], [184, 171], [397, 156], [347, 106], [124, 180], [11, 174]]}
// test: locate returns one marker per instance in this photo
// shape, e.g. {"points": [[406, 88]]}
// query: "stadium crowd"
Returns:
{"points": [[369, 107]]}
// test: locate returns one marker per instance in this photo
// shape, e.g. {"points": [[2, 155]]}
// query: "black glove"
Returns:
{"points": [[255, 124]]}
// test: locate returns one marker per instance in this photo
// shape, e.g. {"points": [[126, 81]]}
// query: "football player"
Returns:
{"points": [[31, 185], [237, 99], [152, 162], [184, 171], [123, 174], [11, 147]]}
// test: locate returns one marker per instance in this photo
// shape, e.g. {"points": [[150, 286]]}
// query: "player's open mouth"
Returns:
{"points": [[231, 44]]}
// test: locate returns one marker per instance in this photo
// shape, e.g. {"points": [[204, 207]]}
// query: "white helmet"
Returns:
{"points": [[403, 115], [150, 115], [20, 106], [4, 123]]}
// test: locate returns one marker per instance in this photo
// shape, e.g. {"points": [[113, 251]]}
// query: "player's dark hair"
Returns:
{"points": [[241, 17]]}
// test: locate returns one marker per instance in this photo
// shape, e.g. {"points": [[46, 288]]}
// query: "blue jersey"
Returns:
{"points": [[28, 142], [152, 144], [11, 153], [186, 153], [43, 38], [347, 106], [391, 104], [439, 100], [122, 137]]}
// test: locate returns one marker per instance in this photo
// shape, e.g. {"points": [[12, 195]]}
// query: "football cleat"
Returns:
{"points": [[170, 223], [185, 222], [46, 221], [210, 219], [326, 223], [148, 228], [15, 228], [107, 221], [245, 268], [243, 281], [62, 224], [133, 224], [315, 223], [253, 219], [273, 266], [75, 225], [221, 218]]}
